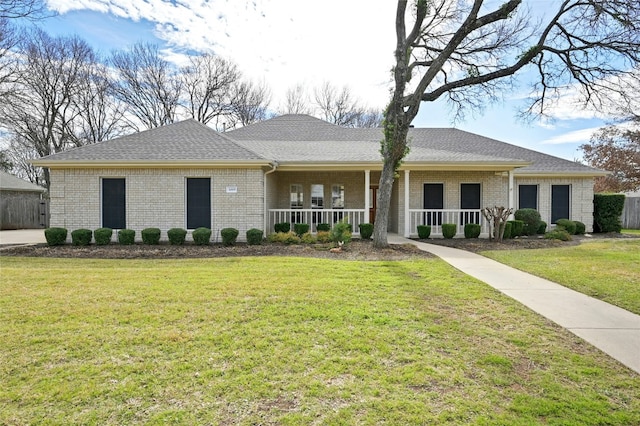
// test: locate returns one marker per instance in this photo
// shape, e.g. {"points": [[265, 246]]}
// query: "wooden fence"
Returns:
{"points": [[23, 210], [631, 213]]}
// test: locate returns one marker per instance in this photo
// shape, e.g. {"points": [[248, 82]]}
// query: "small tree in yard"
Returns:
{"points": [[497, 218], [470, 51]]}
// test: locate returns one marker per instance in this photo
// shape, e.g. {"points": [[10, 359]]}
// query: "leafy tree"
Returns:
{"points": [[618, 151], [470, 52]]}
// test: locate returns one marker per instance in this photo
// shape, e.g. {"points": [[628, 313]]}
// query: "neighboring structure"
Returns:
{"points": [[631, 213], [21, 204], [296, 168]]}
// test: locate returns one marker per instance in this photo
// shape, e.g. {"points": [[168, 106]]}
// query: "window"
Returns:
{"points": [[297, 197], [470, 200], [198, 203], [433, 199], [528, 197], [114, 203], [560, 195], [317, 196], [337, 196]]}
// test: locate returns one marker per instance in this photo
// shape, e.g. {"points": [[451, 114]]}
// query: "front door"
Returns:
{"points": [[373, 202]]}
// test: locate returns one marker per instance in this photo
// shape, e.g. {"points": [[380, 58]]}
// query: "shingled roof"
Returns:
{"points": [[11, 183], [186, 141], [307, 141]]}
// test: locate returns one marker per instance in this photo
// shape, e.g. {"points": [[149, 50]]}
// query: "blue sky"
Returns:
{"points": [[289, 42]]}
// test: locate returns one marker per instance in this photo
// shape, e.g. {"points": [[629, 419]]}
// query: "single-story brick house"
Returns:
{"points": [[296, 168]]}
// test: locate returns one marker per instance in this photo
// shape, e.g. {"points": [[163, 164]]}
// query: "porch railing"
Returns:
{"points": [[315, 216], [435, 218]]}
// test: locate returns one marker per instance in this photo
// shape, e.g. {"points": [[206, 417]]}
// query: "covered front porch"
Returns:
{"points": [[419, 197]]}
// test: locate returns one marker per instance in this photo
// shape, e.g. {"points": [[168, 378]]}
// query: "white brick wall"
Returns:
{"points": [[156, 198]]}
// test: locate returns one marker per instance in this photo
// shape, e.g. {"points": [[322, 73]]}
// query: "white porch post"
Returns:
{"points": [[511, 193], [407, 216], [367, 201]]}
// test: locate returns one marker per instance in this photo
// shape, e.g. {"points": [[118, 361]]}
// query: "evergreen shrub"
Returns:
{"points": [[81, 237], [558, 234], [150, 236], [229, 236], [607, 209], [176, 236], [366, 230], [449, 230], [323, 227], [126, 237], [55, 236], [531, 219], [424, 231], [282, 227], [542, 228], [102, 236], [201, 236], [568, 225], [341, 232], [254, 236], [300, 228], [472, 230]]}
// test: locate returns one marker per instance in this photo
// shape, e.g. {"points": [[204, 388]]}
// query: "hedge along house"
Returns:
{"points": [[299, 169]]}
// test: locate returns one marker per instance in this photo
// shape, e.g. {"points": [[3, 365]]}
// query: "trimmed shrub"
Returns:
{"points": [[341, 232], [581, 228], [607, 209], [568, 225], [323, 237], [517, 226], [201, 236], [81, 237], [324, 227], [284, 237], [176, 236], [449, 230], [300, 228], [254, 237], [507, 230], [150, 236], [558, 234], [308, 238], [472, 230], [542, 228], [366, 230], [229, 236], [55, 236], [282, 227], [102, 236], [424, 231], [126, 237], [531, 219]]}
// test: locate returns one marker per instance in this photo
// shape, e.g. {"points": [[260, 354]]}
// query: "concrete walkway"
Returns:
{"points": [[613, 330], [22, 236]]}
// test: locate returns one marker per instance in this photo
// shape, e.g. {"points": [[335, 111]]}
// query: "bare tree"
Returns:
{"points": [[14, 9], [148, 84], [208, 82], [369, 118], [9, 39], [249, 103], [337, 106], [42, 109], [470, 52], [296, 101]]}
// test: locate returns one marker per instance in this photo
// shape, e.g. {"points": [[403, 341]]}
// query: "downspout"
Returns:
{"points": [[274, 166]]}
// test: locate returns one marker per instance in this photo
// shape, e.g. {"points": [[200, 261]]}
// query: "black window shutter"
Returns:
{"points": [[198, 203], [528, 197], [559, 202], [470, 196], [114, 213]]}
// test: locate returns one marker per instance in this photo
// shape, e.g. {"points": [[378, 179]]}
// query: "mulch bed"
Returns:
{"points": [[356, 250]]}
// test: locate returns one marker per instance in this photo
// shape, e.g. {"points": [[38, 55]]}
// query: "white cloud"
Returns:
{"points": [[283, 42], [573, 137]]}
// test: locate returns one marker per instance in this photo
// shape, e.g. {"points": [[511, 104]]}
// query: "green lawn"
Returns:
{"points": [[606, 269], [631, 231], [288, 341]]}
